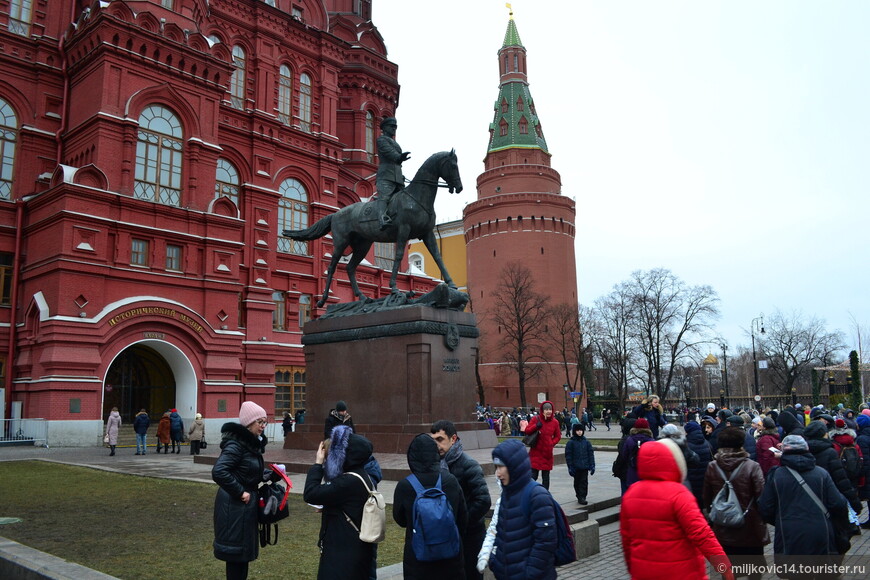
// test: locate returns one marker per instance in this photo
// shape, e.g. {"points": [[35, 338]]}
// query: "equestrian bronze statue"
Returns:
{"points": [[412, 210]]}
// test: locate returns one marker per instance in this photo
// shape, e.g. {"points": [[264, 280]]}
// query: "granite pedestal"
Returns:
{"points": [[398, 371]]}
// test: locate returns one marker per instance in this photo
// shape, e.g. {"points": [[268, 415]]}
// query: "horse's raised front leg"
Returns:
{"points": [[359, 253], [432, 246]]}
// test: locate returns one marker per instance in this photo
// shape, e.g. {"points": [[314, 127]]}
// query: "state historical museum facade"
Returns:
{"points": [[150, 153]]}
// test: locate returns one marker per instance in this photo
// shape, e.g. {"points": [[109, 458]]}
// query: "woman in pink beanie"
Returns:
{"points": [[239, 471]]}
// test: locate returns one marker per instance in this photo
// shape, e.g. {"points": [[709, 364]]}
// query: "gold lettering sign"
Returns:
{"points": [[156, 311]]}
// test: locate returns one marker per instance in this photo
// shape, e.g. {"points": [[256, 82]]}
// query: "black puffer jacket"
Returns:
{"points": [[334, 420], [826, 458], [801, 529], [238, 469], [343, 555], [477, 499], [425, 463], [525, 539]]}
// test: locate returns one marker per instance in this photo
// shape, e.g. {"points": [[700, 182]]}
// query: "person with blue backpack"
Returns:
{"points": [[525, 535], [430, 505]]}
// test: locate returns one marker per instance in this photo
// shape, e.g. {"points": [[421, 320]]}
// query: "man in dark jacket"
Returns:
{"points": [[337, 416], [474, 489], [801, 528], [525, 540], [816, 435], [425, 464], [140, 426]]}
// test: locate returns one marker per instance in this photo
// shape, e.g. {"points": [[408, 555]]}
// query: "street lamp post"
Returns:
{"points": [[566, 386], [725, 373], [752, 326], [793, 396]]}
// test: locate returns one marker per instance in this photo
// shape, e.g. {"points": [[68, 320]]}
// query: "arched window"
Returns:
{"points": [[504, 105], [285, 94], [8, 137], [370, 137], [503, 128], [292, 215], [158, 157], [237, 81], [226, 181], [415, 260], [20, 15], [520, 104], [305, 102]]}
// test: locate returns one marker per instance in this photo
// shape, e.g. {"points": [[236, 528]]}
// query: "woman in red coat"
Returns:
{"points": [[663, 532], [541, 453]]}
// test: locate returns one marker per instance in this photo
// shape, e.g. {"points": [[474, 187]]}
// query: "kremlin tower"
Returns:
{"points": [[522, 222]]}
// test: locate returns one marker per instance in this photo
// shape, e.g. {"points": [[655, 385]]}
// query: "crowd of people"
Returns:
{"points": [[170, 430], [520, 541], [515, 421], [801, 470]]}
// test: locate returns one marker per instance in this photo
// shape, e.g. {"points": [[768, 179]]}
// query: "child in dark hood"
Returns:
{"points": [[580, 460], [525, 539], [343, 494], [425, 463]]}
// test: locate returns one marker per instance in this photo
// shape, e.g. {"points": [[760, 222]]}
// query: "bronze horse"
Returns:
{"points": [[413, 211]]}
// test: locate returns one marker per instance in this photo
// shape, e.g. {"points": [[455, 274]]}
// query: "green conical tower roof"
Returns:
{"points": [[512, 35], [516, 122]]}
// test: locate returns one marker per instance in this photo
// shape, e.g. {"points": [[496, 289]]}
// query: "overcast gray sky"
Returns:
{"points": [[725, 141]]}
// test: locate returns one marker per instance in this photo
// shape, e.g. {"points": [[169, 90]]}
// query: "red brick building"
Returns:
{"points": [[520, 216], [150, 153]]}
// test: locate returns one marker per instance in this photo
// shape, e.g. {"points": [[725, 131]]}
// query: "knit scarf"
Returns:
{"points": [[454, 453]]}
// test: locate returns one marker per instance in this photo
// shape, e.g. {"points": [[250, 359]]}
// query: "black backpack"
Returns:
{"points": [[852, 461]]}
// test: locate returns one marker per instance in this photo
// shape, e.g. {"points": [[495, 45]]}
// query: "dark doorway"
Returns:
{"points": [[139, 378]]}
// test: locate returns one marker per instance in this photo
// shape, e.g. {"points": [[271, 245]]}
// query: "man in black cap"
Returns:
{"points": [[337, 416], [390, 158]]}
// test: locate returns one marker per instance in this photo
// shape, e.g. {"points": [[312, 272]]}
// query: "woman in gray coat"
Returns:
{"points": [[239, 471]]}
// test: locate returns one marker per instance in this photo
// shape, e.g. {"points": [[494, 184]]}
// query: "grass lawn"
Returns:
{"points": [[145, 528]]}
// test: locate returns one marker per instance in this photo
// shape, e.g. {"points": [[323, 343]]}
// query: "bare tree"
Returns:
{"points": [[793, 344], [522, 315], [672, 322], [567, 338], [608, 326], [861, 335]]}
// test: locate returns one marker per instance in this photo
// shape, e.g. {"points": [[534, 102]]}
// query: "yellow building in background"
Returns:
{"points": [[451, 241]]}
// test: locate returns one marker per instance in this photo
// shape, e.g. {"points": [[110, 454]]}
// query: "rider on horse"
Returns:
{"points": [[390, 159]]}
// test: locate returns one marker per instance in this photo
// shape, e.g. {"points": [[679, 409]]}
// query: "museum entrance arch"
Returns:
{"points": [[152, 375]]}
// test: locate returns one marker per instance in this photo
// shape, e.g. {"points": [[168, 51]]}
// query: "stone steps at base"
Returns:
{"points": [[606, 516]]}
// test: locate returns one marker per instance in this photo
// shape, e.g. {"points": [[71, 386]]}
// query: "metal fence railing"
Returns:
{"points": [[24, 432]]}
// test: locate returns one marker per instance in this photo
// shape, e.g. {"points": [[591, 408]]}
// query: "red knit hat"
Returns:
{"points": [[641, 424], [839, 423]]}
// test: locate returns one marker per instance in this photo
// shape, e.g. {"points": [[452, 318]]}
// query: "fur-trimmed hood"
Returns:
{"points": [[233, 431]]}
